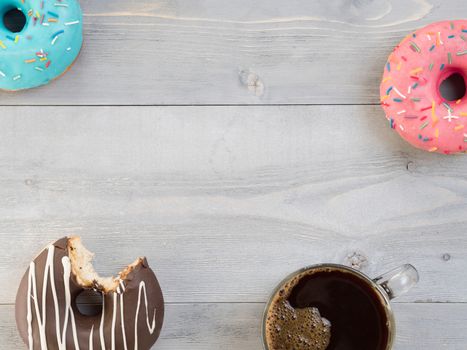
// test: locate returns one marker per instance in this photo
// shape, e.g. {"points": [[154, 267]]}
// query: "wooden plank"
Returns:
{"points": [[237, 326], [241, 52], [226, 201]]}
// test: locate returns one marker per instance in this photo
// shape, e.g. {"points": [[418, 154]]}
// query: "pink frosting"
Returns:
{"points": [[410, 88]]}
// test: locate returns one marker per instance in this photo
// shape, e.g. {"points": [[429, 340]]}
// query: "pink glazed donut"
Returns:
{"points": [[424, 85]]}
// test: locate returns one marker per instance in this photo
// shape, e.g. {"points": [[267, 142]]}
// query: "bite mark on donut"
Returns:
{"points": [[84, 273]]}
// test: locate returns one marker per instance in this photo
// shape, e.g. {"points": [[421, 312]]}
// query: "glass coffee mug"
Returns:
{"points": [[334, 307]]}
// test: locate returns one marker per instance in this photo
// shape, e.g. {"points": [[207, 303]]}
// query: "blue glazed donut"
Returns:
{"points": [[39, 40]]}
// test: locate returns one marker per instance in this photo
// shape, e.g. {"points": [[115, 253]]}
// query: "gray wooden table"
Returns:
{"points": [[232, 142]]}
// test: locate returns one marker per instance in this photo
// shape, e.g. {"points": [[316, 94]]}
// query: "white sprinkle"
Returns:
{"points": [[71, 23], [429, 37], [2, 74], [401, 112], [54, 40], [409, 90], [16, 77], [46, 24], [61, 5], [39, 69], [68, 49], [450, 117], [401, 127], [399, 93]]}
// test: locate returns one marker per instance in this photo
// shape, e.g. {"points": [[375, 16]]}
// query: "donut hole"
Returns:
{"points": [[453, 87], [89, 302], [14, 20]]}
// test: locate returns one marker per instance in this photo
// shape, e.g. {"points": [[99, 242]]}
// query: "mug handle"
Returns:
{"points": [[398, 281]]}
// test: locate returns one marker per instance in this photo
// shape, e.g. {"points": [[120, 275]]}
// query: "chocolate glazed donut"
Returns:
{"points": [[48, 318]]}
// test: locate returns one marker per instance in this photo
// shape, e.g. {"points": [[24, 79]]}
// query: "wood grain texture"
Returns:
{"points": [[226, 201], [237, 326], [236, 52]]}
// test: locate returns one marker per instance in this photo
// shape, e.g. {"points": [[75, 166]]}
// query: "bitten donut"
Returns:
{"points": [[39, 40], [47, 315], [423, 88]]}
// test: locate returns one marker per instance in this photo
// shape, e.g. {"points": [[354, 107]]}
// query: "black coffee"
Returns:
{"points": [[351, 313]]}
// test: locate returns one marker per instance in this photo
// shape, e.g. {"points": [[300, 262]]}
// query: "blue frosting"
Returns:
{"points": [[47, 45]]}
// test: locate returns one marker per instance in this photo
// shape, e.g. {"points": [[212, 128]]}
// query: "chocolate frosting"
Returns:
{"points": [[131, 317]]}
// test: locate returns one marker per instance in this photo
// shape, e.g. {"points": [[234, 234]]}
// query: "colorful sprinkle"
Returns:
{"points": [[448, 107], [434, 117], [433, 149], [461, 53], [424, 125], [438, 39], [399, 93], [459, 127], [386, 79], [57, 33], [414, 47], [53, 14]]}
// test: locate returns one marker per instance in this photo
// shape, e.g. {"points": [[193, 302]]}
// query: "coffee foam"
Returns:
{"points": [[288, 328]]}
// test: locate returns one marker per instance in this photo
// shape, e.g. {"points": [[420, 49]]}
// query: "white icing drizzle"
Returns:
{"points": [[101, 328], [151, 328], [41, 320], [69, 311], [91, 339], [61, 330], [114, 319], [29, 313], [122, 321]]}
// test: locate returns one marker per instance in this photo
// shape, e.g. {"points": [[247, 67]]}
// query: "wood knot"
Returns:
{"points": [[356, 260], [252, 81]]}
